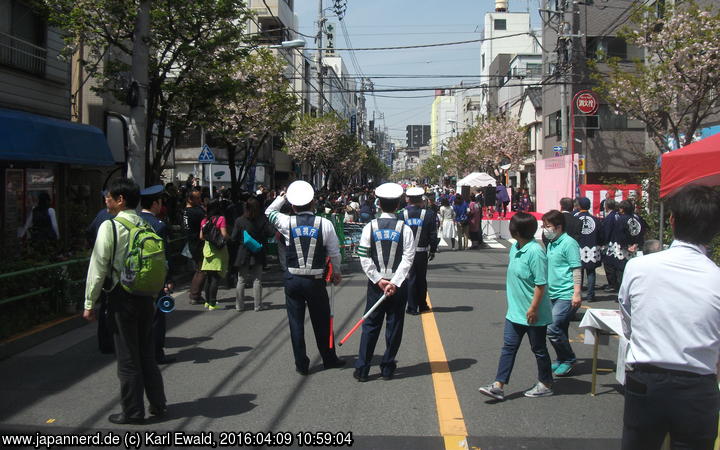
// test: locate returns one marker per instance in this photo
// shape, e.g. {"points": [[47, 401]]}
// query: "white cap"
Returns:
{"points": [[415, 191], [300, 193], [389, 190]]}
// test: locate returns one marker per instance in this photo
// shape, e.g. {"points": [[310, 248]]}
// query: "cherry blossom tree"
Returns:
{"points": [[316, 140], [246, 106], [492, 142], [674, 89]]}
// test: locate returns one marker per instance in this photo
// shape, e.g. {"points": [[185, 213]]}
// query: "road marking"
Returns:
{"points": [[492, 243], [450, 416]]}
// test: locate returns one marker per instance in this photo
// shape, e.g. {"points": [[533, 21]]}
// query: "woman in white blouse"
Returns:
{"points": [[447, 222]]}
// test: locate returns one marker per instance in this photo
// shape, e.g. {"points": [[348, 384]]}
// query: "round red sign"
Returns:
{"points": [[587, 103]]}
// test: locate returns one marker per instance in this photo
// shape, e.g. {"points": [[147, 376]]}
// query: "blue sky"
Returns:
{"points": [[391, 23]]}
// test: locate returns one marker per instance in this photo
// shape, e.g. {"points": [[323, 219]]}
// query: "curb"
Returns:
{"points": [[39, 334]]}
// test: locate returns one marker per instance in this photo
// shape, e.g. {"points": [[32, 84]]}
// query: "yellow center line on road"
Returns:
{"points": [[450, 416]]}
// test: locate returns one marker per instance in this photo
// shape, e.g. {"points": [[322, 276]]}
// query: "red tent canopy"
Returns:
{"points": [[697, 163]]}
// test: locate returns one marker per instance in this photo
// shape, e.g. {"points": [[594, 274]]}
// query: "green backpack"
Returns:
{"points": [[145, 265]]}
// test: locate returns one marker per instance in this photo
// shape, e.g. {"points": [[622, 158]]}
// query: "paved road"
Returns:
{"points": [[234, 372]]}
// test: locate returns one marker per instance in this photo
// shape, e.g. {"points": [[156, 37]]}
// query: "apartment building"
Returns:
{"points": [[41, 149]]}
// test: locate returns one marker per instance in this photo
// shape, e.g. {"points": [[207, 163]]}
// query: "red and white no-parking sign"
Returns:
{"points": [[586, 102]]}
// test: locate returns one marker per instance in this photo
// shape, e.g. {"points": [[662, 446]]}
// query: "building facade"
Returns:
{"points": [[613, 144], [42, 151]]}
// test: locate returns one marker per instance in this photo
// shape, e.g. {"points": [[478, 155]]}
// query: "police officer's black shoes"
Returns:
{"points": [[338, 363], [302, 370], [424, 309], [121, 419], [358, 375], [157, 411], [387, 376], [412, 312]]}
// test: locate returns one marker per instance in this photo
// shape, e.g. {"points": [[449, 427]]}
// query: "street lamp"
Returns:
{"points": [[295, 43]]}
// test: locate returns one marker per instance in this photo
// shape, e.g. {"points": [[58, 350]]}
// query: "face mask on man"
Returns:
{"points": [[549, 234]]}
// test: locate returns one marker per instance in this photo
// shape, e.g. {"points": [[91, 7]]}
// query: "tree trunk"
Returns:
{"points": [[231, 166], [251, 158]]}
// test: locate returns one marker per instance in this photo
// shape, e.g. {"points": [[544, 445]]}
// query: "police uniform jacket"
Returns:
{"points": [[423, 223], [309, 239], [387, 249]]}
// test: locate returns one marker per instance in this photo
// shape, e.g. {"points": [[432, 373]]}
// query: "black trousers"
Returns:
{"points": [[392, 309], [417, 283], [159, 329], [657, 403], [611, 272], [136, 367], [299, 292]]}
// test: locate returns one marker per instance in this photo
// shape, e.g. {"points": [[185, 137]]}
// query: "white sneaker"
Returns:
{"points": [[539, 390], [494, 391]]}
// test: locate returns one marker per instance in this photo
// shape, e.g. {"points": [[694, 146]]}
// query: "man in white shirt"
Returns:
{"points": [[310, 239], [387, 251], [670, 304]]}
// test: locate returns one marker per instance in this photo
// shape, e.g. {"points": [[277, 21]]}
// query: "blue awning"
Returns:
{"points": [[30, 137]]}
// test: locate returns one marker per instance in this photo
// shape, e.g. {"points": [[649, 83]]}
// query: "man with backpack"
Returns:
{"points": [[128, 260]]}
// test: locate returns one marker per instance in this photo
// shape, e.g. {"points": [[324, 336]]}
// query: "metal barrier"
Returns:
{"points": [[59, 279]]}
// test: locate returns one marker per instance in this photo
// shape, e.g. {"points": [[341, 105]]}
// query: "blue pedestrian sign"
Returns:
{"points": [[557, 150], [206, 155]]}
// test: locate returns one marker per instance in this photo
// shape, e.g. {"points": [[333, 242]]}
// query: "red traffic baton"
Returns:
{"points": [[365, 316], [328, 278]]}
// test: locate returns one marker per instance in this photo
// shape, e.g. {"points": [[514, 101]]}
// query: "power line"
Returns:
{"points": [[404, 47]]}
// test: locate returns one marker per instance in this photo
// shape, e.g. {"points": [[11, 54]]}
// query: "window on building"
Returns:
{"points": [[534, 70], [500, 24], [614, 120], [607, 47], [272, 32], [554, 124], [22, 37]]}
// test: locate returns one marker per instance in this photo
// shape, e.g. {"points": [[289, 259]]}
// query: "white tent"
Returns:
{"points": [[477, 179]]}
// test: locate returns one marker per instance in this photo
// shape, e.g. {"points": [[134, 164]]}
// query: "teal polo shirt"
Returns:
{"points": [[563, 256], [527, 269]]}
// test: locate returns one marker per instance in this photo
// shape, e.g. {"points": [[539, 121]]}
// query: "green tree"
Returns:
{"points": [[433, 169], [190, 43], [247, 105]]}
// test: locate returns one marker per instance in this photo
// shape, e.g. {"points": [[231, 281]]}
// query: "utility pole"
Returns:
{"points": [[321, 25], [137, 153], [565, 60]]}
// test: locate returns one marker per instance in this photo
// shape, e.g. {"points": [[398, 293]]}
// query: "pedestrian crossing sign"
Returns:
{"points": [[206, 155]]}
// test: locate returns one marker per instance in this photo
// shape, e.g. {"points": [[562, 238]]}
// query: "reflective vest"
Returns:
{"points": [[386, 247], [306, 252], [416, 221]]}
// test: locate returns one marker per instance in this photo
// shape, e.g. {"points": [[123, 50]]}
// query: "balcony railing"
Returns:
{"points": [[23, 55], [527, 72]]}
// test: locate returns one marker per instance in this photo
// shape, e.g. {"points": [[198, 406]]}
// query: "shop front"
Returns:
{"points": [[66, 160]]}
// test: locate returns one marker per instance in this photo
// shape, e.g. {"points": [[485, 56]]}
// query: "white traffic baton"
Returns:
{"points": [[365, 316]]}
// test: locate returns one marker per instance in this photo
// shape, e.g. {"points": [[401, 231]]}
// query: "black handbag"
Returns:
{"points": [[105, 318]]}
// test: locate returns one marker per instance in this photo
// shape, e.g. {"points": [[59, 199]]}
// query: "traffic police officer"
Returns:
{"points": [[310, 239], [151, 203], [387, 250], [422, 222]]}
